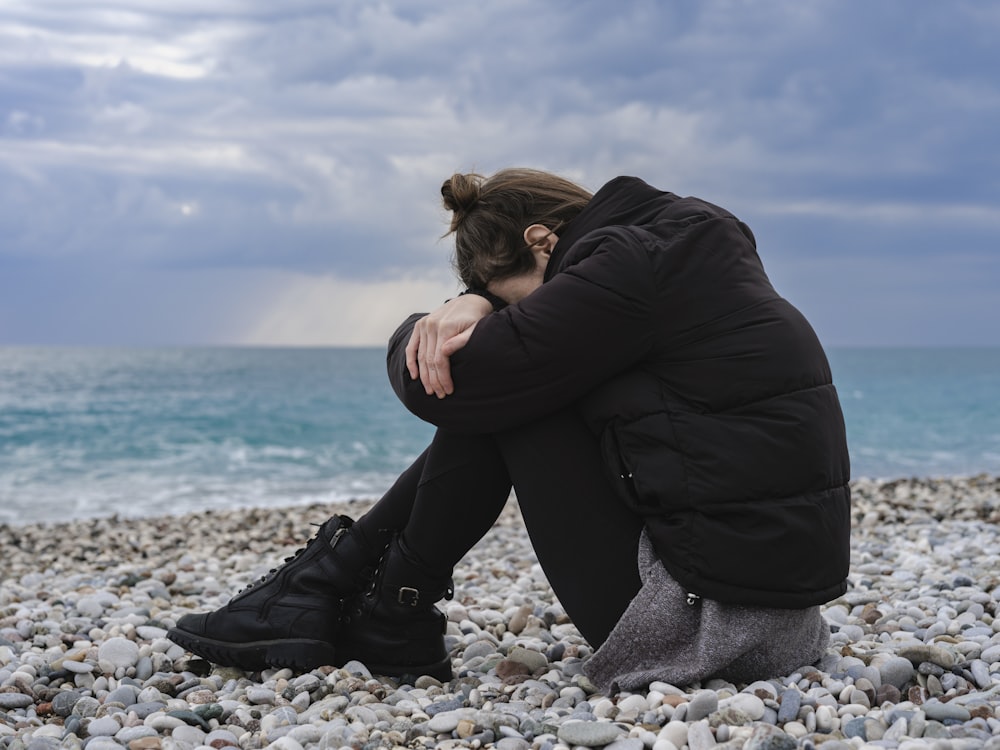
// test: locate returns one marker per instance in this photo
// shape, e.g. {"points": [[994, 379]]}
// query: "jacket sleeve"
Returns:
{"points": [[588, 323]]}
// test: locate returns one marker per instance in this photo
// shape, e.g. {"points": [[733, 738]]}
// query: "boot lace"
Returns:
{"points": [[274, 571]]}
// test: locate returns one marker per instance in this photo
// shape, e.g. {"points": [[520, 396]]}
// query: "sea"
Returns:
{"points": [[88, 432]]}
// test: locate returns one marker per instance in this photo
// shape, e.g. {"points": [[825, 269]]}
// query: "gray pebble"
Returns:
{"points": [[512, 743], [896, 671], [589, 733], [150, 633], [86, 706], [63, 702], [925, 653], [505, 731], [629, 743], [188, 734], [442, 706], [260, 695], [165, 723], [356, 667], [191, 718], [991, 655], [306, 683], [854, 728], [103, 727], [446, 721], [11, 701], [981, 674], [929, 668], [144, 668], [126, 694], [78, 667], [942, 711], [533, 660], [702, 703], [479, 649], [142, 710], [750, 705], [305, 735], [875, 728], [700, 736], [791, 699], [766, 737], [128, 734], [72, 724]]}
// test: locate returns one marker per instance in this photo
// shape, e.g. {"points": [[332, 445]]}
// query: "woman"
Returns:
{"points": [[622, 360]]}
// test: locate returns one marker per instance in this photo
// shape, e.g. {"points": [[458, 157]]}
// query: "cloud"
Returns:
{"points": [[112, 305], [309, 139], [325, 310], [879, 301]]}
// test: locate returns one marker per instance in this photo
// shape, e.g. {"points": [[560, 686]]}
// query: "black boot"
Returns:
{"points": [[395, 629], [290, 617]]}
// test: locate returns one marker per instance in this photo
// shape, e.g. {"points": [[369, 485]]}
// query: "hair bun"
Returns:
{"points": [[460, 194]]}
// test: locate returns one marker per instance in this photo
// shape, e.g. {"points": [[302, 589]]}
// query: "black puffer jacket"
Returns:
{"points": [[710, 394]]}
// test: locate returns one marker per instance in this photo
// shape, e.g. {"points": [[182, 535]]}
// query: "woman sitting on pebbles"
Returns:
{"points": [[667, 421]]}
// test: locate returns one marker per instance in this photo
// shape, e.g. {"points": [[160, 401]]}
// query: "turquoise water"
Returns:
{"points": [[920, 412], [87, 432], [139, 432]]}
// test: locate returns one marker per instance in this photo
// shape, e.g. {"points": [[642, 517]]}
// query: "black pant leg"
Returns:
{"points": [[393, 509], [586, 540], [446, 501]]}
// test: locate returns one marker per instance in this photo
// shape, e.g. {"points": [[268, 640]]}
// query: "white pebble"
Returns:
{"points": [[119, 652]]}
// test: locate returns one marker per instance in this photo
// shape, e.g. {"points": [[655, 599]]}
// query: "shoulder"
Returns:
{"points": [[609, 247]]}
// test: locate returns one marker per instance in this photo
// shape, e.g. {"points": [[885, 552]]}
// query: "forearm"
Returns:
{"points": [[399, 375], [469, 411], [540, 355]]}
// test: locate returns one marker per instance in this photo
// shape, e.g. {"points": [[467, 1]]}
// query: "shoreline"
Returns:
{"points": [[364, 501], [914, 658]]}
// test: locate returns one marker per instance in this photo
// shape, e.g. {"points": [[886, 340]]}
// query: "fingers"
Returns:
{"points": [[442, 370], [412, 349], [437, 336], [419, 346], [425, 360], [421, 343], [456, 342], [433, 365], [443, 360]]}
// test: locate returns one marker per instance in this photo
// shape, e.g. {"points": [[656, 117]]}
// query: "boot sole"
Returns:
{"points": [[298, 654]]}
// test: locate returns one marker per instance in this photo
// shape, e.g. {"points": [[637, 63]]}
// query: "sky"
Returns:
{"points": [[250, 172]]}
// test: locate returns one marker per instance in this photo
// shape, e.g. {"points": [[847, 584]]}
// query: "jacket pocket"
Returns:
{"points": [[618, 468], [643, 463]]}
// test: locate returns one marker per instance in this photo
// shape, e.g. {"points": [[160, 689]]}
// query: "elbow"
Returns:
{"points": [[451, 413], [440, 412]]}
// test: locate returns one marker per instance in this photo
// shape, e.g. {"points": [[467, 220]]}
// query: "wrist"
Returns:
{"points": [[497, 303]]}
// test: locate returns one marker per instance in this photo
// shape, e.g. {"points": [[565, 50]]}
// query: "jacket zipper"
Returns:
{"points": [[692, 598]]}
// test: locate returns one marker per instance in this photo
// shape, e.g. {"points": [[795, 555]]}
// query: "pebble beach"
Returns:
{"points": [[913, 662]]}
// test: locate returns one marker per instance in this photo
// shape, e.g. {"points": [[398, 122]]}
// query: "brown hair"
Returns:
{"points": [[490, 214]]}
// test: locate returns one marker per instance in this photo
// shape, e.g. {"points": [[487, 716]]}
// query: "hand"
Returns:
{"points": [[440, 334]]}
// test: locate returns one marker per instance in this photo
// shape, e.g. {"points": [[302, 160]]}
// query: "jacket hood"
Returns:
{"points": [[624, 201]]}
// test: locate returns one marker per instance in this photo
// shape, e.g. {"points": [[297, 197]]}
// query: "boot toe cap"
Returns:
{"points": [[196, 624]]}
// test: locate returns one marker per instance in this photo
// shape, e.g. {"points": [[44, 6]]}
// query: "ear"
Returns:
{"points": [[540, 239]]}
